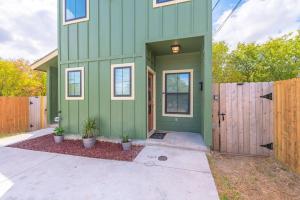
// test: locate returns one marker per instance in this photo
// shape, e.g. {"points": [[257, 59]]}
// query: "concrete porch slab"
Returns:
{"points": [[183, 140], [176, 158]]}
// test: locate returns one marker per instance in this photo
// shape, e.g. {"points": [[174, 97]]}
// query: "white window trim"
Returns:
{"points": [[76, 20], [113, 84], [156, 5], [66, 83], [191, 71]]}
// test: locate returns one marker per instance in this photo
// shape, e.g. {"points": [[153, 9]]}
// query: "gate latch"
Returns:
{"points": [[223, 116]]}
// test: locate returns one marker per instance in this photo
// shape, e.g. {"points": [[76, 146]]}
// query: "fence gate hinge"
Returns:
{"points": [[268, 146], [268, 96]]}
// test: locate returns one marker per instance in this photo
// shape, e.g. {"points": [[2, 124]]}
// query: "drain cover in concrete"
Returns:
{"points": [[158, 135], [162, 158]]}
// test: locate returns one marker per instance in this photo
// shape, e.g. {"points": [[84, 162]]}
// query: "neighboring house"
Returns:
{"points": [[133, 65]]}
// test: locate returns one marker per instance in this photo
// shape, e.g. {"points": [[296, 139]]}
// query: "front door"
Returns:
{"points": [[150, 102]]}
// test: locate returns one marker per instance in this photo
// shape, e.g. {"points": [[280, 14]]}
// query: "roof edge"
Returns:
{"points": [[44, 59]]}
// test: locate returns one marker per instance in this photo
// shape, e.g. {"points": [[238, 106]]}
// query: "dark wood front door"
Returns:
{"points": [[150, 102]]}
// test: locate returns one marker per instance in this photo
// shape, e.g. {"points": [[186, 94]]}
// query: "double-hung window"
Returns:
{"points": [[75, 11], [159, 3], [122, 77], [74, 78], [178, 93]]}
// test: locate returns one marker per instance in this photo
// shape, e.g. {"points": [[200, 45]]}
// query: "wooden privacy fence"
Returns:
{"points": [[287, 122], [242, 118], [21, 114]]}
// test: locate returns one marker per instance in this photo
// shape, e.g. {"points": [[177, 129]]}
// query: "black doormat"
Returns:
{"points": [[158, 135]]}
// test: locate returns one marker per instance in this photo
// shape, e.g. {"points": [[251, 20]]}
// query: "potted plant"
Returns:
{"points": [[88, 138], [58, 135], [126, 143]]}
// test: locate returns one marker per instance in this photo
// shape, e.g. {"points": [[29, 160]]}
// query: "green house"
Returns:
{"points": [[134, 65]]}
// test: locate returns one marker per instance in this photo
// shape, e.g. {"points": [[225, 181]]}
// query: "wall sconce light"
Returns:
{"points": [[176, 49], [201, 85]]}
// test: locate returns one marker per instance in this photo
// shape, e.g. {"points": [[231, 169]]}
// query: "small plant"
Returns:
{"points": [[125, 139], [58, 131], [126, 143], [89, 128]]}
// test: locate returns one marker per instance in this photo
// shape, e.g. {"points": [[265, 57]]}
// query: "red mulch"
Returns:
{"points": [[103, 150]]}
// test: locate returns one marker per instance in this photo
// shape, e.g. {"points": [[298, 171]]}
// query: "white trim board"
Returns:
{"points": [[132, 81], [75, 20], [66, 83], [191, 71], [157, 5]]}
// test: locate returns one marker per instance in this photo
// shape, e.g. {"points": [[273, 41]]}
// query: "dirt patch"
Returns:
{"points": [[103, 150], [241, 177]]}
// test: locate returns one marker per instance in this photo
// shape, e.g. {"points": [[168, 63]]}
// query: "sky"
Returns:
{"points": [[28, 27]]}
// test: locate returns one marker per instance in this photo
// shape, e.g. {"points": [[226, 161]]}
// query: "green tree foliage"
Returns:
{"points": [[18, 79], [277, 59]]}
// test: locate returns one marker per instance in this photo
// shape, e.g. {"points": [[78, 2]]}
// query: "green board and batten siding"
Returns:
{"points": [[117, 32]]}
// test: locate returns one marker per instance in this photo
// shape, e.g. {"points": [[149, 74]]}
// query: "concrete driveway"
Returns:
{"points": [[31, 175]]}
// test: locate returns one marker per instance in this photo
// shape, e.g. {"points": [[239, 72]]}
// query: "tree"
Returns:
{"points": [[277, 59], [18, 79]]}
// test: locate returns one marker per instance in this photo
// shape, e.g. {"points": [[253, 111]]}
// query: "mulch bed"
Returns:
{"points": [[103, 150]]}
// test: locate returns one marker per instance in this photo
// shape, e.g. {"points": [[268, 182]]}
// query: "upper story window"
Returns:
{"points": [[75, 11], [159, 3], [74, 83], [122, 87]]}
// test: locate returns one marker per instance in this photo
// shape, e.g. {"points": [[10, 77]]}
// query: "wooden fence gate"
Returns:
{"points": [[243, 118], [37, 113]]}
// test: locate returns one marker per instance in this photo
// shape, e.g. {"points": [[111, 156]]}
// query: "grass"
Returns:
{"points": [[242, 177]]}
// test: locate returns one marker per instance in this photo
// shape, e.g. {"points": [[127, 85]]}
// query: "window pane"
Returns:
{"points": [[126, 74], [74, 83], [70, 9], [75, 9], [183, 103], [171, 101], [171, 83], [80, 8], [122, 82], [126, 88], [77, 90], [163, 1], [118, 89], [71, 90], [77, 77], [183, 82]]}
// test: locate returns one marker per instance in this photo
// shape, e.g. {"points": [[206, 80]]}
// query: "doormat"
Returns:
{"points": [[158, 135]]}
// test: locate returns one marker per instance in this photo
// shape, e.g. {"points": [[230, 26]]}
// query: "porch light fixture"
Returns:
{"points": [[175, 49]]}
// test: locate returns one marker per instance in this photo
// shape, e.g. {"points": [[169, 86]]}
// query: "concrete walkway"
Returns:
{"points": [[185, 175], [24, 136]]}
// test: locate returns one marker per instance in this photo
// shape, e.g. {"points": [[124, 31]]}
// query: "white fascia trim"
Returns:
{"points": [[44, 59], [156, 5], [76, 20], [66, 83], [191, 71], [113, 66]]}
